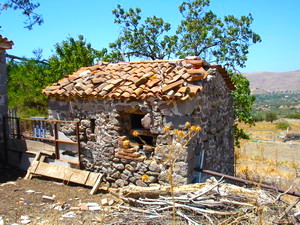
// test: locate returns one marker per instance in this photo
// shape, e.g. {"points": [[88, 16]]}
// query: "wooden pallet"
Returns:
{"points": [[41, 168]]}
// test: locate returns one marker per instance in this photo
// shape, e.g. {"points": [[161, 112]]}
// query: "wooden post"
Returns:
{"points": [[33, 166], [56, 143], [78, 144], [96, 185]]}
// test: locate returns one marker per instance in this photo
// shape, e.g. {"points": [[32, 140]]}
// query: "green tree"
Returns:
{"points": [[72, 54], [223, 41], [271, 116], [28, 9], [201, 33], [25, 83], [147, 40], [28, 77]]}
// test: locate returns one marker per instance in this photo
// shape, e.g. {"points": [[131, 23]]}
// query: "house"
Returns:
{"points": [[116, 101], [4, 45]]}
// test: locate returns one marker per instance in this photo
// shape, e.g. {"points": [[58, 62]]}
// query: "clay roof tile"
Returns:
{"points": [[165, 79]]}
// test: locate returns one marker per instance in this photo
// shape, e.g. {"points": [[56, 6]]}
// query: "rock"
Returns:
{"points": [[129, 167], [85, 123], [154, 167], [151, 179], [48, 198], [25, 220], [127, 172], [70, 214], [140, 183], [110, 179], [95, 208], [118, 166], [116, 160], [106, 202], [92, 204], [120, 183], [133, 164], [147, 121], [125, 161], [133, 179], [124, 177]]}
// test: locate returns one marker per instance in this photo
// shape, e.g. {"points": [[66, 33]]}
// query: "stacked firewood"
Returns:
{"points": [[214, 202]]}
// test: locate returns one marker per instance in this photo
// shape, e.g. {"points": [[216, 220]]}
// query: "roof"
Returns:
{"points": [[165, 79], [5, 43]]}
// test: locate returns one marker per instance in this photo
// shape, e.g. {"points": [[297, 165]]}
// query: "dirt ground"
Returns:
{"points": [[21, 202]]}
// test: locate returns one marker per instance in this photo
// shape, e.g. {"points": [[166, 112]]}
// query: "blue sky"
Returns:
{"points": [[277, 21]]}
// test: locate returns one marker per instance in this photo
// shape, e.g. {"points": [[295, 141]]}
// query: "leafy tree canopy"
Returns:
{"points": [[223, 41], [147, 39], [202, 33], [29, 77], [25, 82], [27, 7]]}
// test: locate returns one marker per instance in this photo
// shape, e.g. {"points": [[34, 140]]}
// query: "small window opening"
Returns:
{"points": [[93, 125], [146, 139], [135, 120]]}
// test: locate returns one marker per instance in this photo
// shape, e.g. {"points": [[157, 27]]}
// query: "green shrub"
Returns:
{"points": [[282, 125], [271, 116], [258, 117], [293, 116]]}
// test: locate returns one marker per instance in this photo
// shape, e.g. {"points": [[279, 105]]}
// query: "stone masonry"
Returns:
{"points": [[109, 146]]}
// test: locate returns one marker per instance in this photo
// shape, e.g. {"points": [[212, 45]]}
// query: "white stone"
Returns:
{"points": [[69, 215]]}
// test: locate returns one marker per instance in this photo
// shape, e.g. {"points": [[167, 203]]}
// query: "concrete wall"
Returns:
{"points": [[3, 96], [105, 124]]}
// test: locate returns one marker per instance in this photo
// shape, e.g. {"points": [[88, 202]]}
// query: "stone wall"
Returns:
{"points": [[106, 126], [3, 94]]}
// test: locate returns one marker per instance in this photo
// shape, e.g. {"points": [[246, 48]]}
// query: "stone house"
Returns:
{"points": [[115, 100], [4, 45]]}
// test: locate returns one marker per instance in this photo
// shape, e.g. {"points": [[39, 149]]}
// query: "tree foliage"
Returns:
{"points": [[28, 9], [29, 77], [271, 116], [201, 33], [72, 54], [220, 40], [25, 83], [147, 39]]}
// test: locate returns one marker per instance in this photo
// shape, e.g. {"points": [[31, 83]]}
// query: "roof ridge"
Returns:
{"points": [[143, 61]]}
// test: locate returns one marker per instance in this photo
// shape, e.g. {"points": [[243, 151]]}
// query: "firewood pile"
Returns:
{"points": [[214, 202]]}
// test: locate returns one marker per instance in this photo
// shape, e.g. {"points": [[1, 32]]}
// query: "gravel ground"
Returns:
{"points": [[21, 201]]}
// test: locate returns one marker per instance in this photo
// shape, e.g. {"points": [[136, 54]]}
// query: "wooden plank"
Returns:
{"points": [[97, 185], [33, 166], [29, 146], [49, 121], [67, 174]]}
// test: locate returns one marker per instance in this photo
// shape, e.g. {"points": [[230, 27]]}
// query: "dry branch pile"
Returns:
{"points": [[213, 202]]}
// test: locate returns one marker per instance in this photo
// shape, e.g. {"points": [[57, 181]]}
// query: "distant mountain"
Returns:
{"points": [[265, 82]]}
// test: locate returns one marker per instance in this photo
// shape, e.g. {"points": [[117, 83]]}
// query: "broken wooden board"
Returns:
{"points": [[87, 178]]}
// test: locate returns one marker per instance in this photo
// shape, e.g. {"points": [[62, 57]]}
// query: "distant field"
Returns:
{"points": [[266, 158], [281, 103]]}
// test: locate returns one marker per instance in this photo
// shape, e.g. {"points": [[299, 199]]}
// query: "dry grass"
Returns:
{"points": [[265, 158]]}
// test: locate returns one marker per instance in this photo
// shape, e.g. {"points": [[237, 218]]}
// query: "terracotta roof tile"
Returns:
{"points": [[172, 85], [145, 79], [5, 43]]}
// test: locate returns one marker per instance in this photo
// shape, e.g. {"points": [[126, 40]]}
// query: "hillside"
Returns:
{"points": [[264, 82]]}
